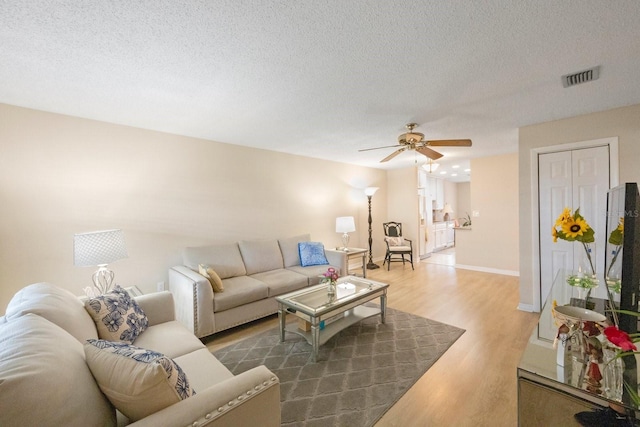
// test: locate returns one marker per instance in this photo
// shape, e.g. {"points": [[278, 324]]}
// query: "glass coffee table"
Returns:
{"points": [[320, 316]]}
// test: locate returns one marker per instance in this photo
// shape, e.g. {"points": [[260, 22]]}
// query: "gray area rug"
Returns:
{"points": [[361, 372]]}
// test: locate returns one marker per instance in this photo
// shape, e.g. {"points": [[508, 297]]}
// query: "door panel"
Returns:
{"points": [[555, 184], [577, 178]]}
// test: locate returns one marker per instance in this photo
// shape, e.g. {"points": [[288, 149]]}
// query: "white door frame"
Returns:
{"points": [[614, 175]]}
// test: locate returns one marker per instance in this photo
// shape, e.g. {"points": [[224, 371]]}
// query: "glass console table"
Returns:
{"points": [[552, 389]]}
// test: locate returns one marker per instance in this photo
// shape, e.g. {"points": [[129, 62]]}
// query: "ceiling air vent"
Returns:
{"points": [[585, 76]]}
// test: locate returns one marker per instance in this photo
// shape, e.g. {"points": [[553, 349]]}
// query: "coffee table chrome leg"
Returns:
{"points": [[315, 339], [282, 314], [383, 307]]}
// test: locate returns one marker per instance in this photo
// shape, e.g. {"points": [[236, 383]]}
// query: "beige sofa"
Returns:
{"points": [[45, 380], [253, 273]]}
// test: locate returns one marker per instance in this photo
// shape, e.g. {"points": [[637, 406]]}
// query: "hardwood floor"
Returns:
{"points": [[474, 382]]}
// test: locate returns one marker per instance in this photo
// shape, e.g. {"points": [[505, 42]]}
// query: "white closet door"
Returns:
{"points": [[577, 178]]}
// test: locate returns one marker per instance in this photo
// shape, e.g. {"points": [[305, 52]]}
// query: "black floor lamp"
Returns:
{"points": [[370, 191]]}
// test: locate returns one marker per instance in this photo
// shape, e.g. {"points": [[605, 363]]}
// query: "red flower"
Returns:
{"points": [[619, 338]]}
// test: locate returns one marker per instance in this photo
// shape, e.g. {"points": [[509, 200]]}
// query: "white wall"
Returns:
{"points": [[61, 175], [492, 243], [623, 123]]}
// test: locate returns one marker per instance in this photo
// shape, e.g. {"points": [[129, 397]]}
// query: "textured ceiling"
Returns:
{"points": [[321, 78]]}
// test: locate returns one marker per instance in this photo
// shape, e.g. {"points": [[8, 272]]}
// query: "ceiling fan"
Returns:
{"points": [[415, 141]]}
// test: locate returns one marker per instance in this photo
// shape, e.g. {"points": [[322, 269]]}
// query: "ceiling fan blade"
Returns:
{"points": [[377, 148], [449, 143], [433, 155], [392, 155]]}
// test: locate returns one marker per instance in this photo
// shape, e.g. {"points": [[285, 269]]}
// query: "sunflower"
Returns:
{"points": [[554, 234], [564, 217], [575, 227]]}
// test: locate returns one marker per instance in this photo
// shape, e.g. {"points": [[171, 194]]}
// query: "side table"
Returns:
{"points": [[356, 253]]}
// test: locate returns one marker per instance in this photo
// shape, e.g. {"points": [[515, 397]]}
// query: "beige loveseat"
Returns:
{"points": [[45, 380], [253, 273]]}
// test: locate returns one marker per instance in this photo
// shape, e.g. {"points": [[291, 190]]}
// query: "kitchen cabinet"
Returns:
{"points": [[436, 192], [451, 234], [439, 194], [440, 236], [444, 235]]}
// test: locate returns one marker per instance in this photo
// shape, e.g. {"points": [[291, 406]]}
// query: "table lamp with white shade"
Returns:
{"points": [[447, 211], [345, 225], [99, 248]]}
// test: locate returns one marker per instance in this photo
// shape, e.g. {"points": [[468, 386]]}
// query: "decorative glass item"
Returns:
{"points": [[612, 376], [331, 289], [330, 278], [613, 276], [585, 278]]}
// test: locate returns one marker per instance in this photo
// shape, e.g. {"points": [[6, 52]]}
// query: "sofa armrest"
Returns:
{"points": [[158, 307], [338, 259], [193, 298], [248, 399]]}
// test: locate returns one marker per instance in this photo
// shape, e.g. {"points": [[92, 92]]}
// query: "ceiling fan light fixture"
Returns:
{"points": [[415, 141], [410, 137]]}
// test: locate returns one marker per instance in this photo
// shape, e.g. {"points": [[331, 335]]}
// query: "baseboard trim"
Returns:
{"points": [[526, 307], [488, 270]]}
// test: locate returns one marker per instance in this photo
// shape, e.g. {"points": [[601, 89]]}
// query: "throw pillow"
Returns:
{"points": [[212, 276], [395, 241], [117, 316], [312, 253], [138, 382]]}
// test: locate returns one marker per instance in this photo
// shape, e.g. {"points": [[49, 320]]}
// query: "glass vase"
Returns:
{"points": [[331, 289], [613, 369], [613, 276], [585, 278]]}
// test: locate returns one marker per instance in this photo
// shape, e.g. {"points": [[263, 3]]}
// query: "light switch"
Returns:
{"points": [[475, 214]]}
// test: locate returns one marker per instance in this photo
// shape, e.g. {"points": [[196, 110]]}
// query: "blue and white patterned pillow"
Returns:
{"points": [[137, 381], [312, 253], [118, 317]]}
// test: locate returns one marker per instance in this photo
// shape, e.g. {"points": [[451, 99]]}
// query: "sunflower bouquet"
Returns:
{"points": [[572, 227]]}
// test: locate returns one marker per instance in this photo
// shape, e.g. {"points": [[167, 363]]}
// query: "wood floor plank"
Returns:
{"points": [[474, 382]]}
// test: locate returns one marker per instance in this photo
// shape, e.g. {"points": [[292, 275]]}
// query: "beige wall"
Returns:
{"points": [[61, 175], [403, 202], [492, 243], [451, 197], [623, 123], [463, 201]]}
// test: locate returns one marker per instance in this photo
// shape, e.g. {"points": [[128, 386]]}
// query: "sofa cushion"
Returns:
{"points": [[137, 381], [212, 277], [44, 380], [289, 249], [312, 253], [282, 281], [55, 304], [224, 259], [261, 255], [182, 341], [117, 316], [239, 291], [314, 273], [203, 369]]}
